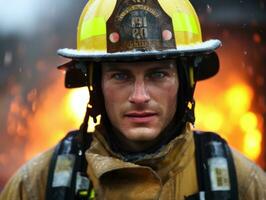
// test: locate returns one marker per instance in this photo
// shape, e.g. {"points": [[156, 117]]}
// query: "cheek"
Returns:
{"points": [[167, 92], [108, 97], [112, 99], [170, 99]]}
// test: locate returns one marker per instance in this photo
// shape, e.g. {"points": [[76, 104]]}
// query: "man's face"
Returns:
{"points": [[140, 98]]}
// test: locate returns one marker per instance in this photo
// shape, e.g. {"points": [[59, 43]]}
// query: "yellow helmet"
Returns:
{"points": [[138, 29], [132, 30]]}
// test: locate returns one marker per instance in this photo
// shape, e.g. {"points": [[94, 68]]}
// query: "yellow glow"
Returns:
{"points": [[214, 120], [252, 144], [76, 105], [248, 121], [239, 98], [77, 101], [232, 119], [57, 136], [198, 109], [209, 118]]}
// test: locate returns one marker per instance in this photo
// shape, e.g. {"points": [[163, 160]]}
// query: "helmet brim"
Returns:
{"points": [[197, 49], [206, 67]]}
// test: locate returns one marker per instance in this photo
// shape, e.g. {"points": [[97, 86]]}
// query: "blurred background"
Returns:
{"points": [[36, 111]]}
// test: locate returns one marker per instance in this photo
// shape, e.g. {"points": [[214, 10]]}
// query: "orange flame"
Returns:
{"points": [[57, 110], [228, 115]]}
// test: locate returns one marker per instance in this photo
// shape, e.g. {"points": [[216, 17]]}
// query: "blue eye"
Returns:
{"points": [[157, 75], [120, 76]]}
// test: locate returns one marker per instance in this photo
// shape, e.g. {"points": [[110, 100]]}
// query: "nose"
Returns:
{"points": [[139, 94]]}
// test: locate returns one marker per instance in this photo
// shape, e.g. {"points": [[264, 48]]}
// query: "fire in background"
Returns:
{"points": [[37, 111]]}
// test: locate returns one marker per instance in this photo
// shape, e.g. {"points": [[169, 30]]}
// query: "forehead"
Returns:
{"points": [[141, 65]]}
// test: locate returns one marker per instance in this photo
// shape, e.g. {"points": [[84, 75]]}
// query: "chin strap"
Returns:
{"points": [[89, 110], [186, 90], [189, 112]]}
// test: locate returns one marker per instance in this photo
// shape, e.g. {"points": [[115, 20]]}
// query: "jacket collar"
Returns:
{"points": [[172, 157]]}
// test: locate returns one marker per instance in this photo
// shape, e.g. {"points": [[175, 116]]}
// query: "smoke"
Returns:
{"points": [[30, 33], [30, 96], [28, 16]]}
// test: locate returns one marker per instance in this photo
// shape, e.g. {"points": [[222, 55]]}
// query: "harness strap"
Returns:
{"points": [[215, 168], [67, 177], [216, 173]]}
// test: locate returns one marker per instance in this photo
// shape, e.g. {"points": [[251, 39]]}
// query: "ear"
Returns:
{"points": [[75, 78], [206, 66], [75, 74]]}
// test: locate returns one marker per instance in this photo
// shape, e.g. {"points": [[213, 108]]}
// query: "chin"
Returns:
{"points": [[141, 134]]}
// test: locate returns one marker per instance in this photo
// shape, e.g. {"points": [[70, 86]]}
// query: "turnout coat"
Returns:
{"points": [[169, 174]]}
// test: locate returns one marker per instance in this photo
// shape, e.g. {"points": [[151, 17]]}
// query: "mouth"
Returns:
{"points": [[141, 117]]}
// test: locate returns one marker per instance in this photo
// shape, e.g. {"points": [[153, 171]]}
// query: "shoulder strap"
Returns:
{"points": [[67, 177], [216, 172]]}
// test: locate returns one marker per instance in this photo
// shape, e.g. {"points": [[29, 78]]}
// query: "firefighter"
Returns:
{"points": [[141, 60]]}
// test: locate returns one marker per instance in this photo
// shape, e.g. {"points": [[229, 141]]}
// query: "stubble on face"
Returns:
{"points": [[140, 100]]}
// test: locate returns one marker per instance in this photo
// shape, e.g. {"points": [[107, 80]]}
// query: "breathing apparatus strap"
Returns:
{"points": [[67, 179], [215, 168]]}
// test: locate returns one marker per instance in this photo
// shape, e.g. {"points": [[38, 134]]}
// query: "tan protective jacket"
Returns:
{"points": [[167, 175]]}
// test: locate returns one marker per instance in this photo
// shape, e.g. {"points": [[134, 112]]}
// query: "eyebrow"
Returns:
{"points": [[160, 68], [115, 68], [111, 67]]}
